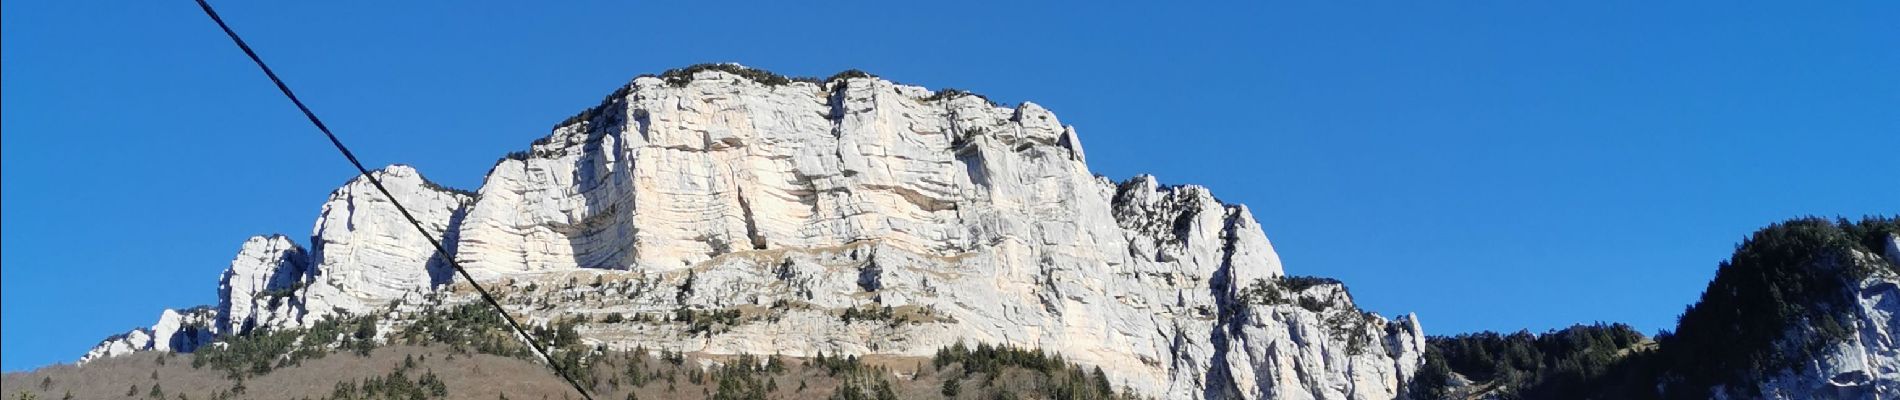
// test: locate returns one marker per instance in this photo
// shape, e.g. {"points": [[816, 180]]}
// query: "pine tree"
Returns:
{"points": [[884, 391], [1101, 382]]}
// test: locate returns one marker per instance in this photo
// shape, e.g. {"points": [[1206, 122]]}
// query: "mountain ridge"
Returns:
{"points": [[847, 216]]}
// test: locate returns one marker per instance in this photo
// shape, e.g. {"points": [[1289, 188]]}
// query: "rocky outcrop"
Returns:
{"points": [[366, 256], [976, 222], [364, 253], [180, 331], [184, 331], [118, 345], [986, 215], [1303, 338], [853, 215], [260, 288], [1865, 364], [665, 176]]}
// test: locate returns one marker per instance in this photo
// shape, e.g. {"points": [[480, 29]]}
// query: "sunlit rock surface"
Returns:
{"points": [[181, 331], [853, 215], [260, 286]]}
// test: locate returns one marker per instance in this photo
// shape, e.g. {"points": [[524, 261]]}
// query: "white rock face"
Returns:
{"points": [[864, 193], [942, 217], [175, 331], [259, 289], [666, 177], [1291, 350], [364, 253], [121, 344], [184, 332]]}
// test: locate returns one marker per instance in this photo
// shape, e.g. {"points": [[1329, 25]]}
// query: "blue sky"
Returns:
{"points": [[1490, 165]]}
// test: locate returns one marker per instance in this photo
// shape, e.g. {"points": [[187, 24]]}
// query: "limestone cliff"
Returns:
{"points": [[850, 215], [256, 290]]}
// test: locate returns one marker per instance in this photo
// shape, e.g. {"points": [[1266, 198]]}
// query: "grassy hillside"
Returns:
{"points": [[441, 372]]}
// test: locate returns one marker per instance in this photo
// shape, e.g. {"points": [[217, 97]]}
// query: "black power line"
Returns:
{"points": [[439, 250]]}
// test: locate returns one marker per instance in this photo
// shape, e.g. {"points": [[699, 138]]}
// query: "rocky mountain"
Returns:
{"points": [[724, 213], [719, 209]]}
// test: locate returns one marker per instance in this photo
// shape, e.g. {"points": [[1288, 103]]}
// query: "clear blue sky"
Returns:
{"points": [[1489, 165]]}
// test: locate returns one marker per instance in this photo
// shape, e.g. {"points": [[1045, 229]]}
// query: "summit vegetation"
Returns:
{"points": [[1787, 294]]}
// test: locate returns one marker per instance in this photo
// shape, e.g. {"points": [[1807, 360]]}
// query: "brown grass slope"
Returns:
{"points": [[467, 375]]}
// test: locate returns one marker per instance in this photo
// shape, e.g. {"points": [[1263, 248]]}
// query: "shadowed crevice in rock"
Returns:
{"points": [[751, 223], [1220, 382], [602, 238], [870, 275], [440, 271]]}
